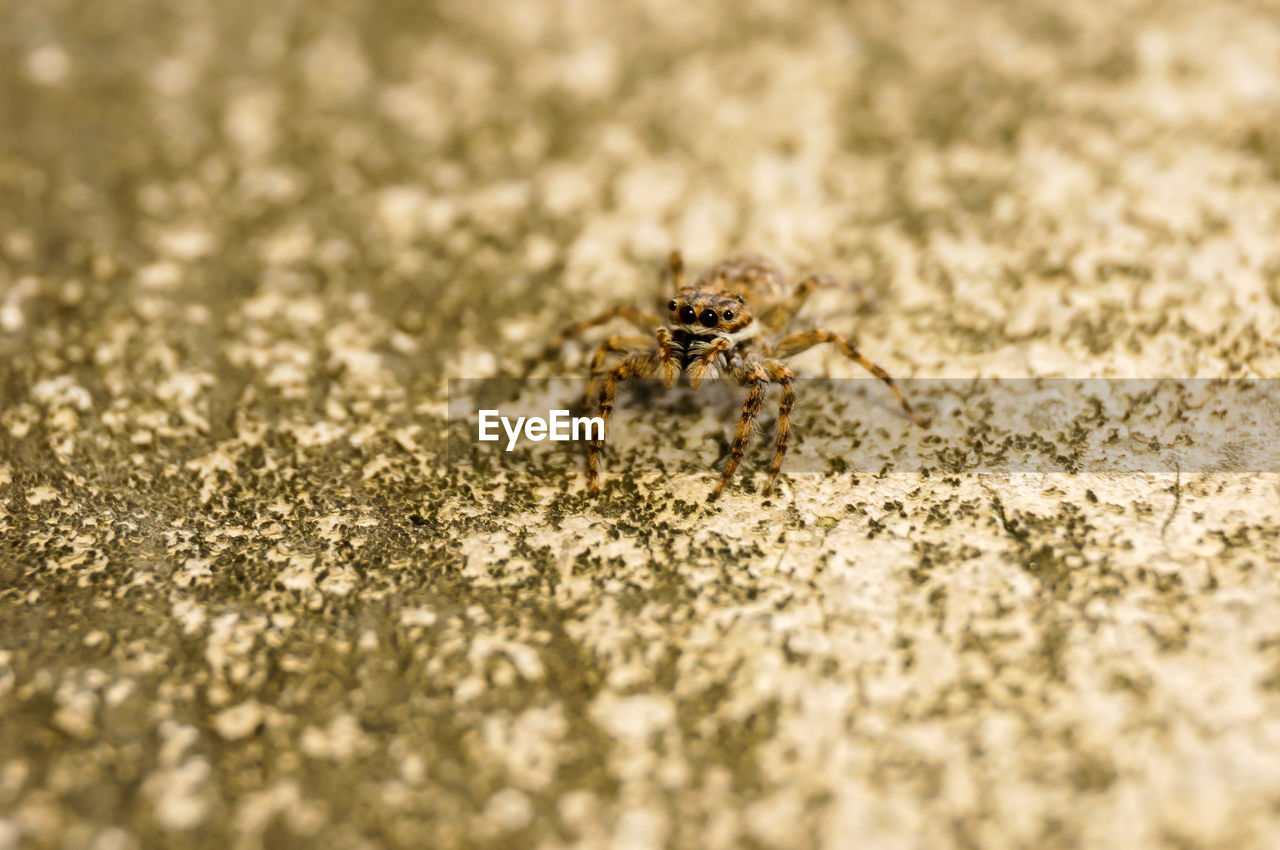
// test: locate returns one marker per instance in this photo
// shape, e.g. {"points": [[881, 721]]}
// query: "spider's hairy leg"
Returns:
{"points": [[706, 365], [756, 378], [806, 287], [780, 374], [669, 363], [795, 343], [636, 366], [614, 344], [787, 309], [809, 283], [641, 319], [673, 275]]}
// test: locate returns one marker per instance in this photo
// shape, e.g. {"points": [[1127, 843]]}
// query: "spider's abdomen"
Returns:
{"points": [[758, 279]]}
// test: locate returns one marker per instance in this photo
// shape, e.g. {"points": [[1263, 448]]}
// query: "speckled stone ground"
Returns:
{"points": [[246, 602]]}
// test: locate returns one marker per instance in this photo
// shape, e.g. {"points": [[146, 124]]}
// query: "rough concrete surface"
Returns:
{"points": [[245, 601]]}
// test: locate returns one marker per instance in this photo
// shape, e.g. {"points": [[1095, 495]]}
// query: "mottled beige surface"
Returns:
{"points": [[244, 602]]}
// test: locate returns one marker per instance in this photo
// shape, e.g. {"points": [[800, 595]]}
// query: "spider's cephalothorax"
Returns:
{"points": [[702, 325], [723, 324]]}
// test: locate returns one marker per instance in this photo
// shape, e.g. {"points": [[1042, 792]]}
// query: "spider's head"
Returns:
{"points": [[710, 313]]}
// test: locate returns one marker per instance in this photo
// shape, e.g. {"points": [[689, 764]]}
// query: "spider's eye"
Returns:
{"points": [[672, 305], [728, 315], [687, 315], [708, 318]]}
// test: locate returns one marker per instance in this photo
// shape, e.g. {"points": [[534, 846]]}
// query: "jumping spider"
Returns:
{"points": [[727, 322]]}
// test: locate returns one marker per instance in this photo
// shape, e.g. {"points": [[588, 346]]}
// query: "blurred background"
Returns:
{"points": [[244, 245]]}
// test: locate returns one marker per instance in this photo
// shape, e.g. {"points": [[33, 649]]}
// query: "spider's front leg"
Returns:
{"points": [[756, 378], [795, 343], [614, 344], [780, 374], [636, 366]]}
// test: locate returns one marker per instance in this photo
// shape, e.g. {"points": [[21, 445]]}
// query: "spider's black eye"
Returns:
{"points": [[687, 315], [728, 315], [708, 318], [672, 305]]}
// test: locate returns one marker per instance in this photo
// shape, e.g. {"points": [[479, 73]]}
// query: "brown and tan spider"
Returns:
{"points": [[724, 323]]}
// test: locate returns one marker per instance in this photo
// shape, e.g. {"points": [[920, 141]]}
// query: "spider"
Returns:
{"points": [[727, 321]]}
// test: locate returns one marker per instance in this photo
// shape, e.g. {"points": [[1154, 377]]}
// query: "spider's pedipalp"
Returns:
{"points": [[704, 360], [668, 362]]}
